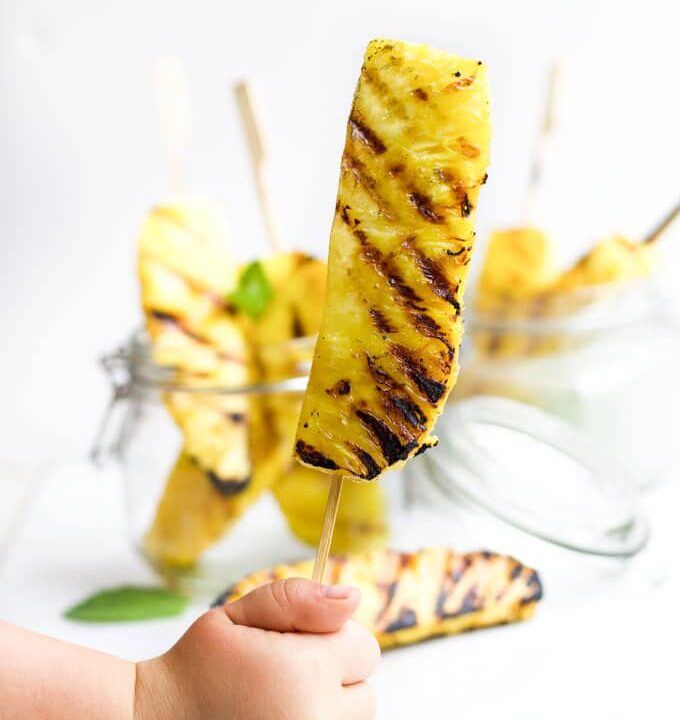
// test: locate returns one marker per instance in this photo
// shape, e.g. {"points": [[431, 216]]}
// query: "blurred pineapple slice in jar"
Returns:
{"points": [[361, 523], [612, 260], [518, 267], [185, 271], [519, 264]]}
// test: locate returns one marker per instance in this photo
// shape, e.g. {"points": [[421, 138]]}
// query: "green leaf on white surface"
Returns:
{"points": [[127, 603], [254, 291]]}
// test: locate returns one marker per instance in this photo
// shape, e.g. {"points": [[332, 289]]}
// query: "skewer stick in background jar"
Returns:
{"points": [[173, 115], [258, 157]]}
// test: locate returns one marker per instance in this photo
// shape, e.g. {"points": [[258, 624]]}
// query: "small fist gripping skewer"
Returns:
{"points": [[415, 157]]}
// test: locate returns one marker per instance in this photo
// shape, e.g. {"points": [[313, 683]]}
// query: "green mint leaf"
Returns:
{"points": [[128, 603], [254, 291]]}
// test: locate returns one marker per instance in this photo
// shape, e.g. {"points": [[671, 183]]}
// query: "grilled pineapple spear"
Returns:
{"points": [[415, 157], [410, 597]]}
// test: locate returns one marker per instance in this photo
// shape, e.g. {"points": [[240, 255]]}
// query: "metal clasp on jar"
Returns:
{"points": [[110, 435]]}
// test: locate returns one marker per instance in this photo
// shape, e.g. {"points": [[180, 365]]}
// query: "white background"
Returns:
{"points": [[81, 159]]}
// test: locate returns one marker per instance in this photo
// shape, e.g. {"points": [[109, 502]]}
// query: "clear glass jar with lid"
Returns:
{"points": [[604, 358]]}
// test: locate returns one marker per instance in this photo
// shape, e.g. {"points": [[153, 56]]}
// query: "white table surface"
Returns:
{"points": [[601, 645]]}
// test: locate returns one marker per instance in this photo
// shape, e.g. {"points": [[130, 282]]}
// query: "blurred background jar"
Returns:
{"points": [[602, 357], [199, 526]]}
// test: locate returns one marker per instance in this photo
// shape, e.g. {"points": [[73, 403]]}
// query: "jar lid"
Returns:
{"points": [[537, 473]]}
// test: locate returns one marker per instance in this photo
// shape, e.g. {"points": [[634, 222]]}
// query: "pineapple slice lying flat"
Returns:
{"points": [[185, 273], [415, 157], [409, 597]]}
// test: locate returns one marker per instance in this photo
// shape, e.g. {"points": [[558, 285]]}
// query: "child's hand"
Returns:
{"points": [[286, 651]]}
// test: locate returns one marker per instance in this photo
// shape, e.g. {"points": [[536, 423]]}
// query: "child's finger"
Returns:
{"points": [[356, 702], [356, 652], [295, 605]]}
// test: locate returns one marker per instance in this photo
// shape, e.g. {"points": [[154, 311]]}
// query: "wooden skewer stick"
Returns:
{"points": [[171, 101], [662, 226], [331, 514], [258, 156], [542, 143]]}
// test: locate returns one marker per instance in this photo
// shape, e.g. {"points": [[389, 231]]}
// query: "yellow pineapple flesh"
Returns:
{"points": [[185, 272], [361, 523], [519, 263], [612, 260], [415, 157]]}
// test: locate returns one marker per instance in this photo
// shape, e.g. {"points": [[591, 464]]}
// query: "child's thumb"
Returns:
{"points": [[295, 605]]}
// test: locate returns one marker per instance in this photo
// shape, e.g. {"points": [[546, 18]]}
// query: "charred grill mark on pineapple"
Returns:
{"points": [[413, 369], [534, 583], [466, 206], [368, 461], [354, 166], [467, 148], [162, 316], [407, 298], [460, 84], [383, 379], [390, 591], [396, 403], [427, 326], [425, 208], [425, 446], [407, 618], [312, 456], [471, 602], [343, 213], [180, 324], [391, 446], [226, 486], [408, 410], [433, 273], [297, 328], [382, 324], [359, 131], [342, 387], [385, 268], [381, 88]]}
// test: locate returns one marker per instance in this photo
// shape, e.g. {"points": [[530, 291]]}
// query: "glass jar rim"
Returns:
{"points": [[136, 359], [596, 308]]}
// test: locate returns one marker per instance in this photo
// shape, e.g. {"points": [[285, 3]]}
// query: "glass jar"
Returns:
{"points": [[198, 530], [603, 358]]}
